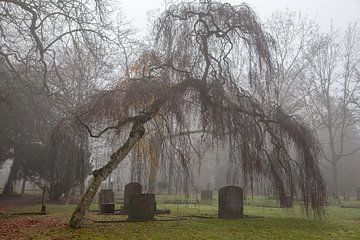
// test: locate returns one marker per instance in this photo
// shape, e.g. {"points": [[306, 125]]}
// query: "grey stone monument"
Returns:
{"points": [[141, 207], [206, 197], [231, 202], [131, 188], [346, 196], [287, 202], [358, 193], [106, 201]]}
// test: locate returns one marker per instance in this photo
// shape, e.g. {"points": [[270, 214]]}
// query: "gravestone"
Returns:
{"points": [[106, 196], [131, 188], [358, 193], [141, 207], [206, 197], [346, 196], [287, 202], [231, 202], [106, 201]]}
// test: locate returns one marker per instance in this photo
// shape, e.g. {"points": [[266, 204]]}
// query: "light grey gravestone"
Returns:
{"points": [[141, 207], [346, 196], [131, 188], [358, 193], [206, 197], [231, 203], [106, 201]]}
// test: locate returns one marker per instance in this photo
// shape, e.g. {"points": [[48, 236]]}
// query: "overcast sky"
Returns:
{"points": [[323, 11]]}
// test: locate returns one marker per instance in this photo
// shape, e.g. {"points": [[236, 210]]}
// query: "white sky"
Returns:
{"points": [[323, 11]]}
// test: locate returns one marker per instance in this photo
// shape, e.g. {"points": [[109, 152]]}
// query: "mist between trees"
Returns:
{"points": [[212, 95]]}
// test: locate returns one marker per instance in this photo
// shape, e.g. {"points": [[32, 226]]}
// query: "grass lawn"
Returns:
{"points": [[184, 223]]}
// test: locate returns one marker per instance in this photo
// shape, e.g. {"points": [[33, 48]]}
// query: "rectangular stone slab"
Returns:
{"points": [[206, 197], [106, 196], [131, 188], [107, 208], [231, 202], [141, 207]]}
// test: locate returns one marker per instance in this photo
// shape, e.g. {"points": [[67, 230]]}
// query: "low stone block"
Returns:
{"points": [[141, 207], [206, 197], [107, 208]]}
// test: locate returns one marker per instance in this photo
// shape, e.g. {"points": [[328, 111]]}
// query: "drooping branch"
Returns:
{"points": [[190, 74]]}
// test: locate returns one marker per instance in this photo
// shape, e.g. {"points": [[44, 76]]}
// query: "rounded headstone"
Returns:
{"points": [[141, 207], [131, 188], [231, 202]]}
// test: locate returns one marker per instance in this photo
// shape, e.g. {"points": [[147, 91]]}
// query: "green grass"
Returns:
{"points": [[272, 223]]}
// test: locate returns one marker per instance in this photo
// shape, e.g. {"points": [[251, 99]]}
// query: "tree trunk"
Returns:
{"points": [[155, 149], [171, 173], [77, 218], [335, 180], [84, 160], [43, 204], [23, 186], [279, 185], [10, 186]]}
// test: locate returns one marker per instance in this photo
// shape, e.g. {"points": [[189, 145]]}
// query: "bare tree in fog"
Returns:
{"points": [[333, 90], [293, 34], [58, 51]]}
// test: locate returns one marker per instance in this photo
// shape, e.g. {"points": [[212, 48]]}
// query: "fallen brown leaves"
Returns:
{"points": [[15, 228]]}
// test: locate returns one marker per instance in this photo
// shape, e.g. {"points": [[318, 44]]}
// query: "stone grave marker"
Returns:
{"points": [[206, 197], [106, 201], [358, 193], [346, 196], [287, 202], [231, 202], [131, 188], [141, 207]]}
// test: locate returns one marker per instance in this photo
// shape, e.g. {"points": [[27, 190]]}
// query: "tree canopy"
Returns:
{"points": [[209, 66]]}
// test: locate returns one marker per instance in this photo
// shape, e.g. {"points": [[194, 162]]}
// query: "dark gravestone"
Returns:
{"points": [[206, 197], [358, 193], [231, 205], [287, 202], [131, 188], [106, 201], [106, 196], [141, 207]]}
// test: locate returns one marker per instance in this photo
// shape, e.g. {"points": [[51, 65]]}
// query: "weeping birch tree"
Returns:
{"points": [[209, 67]]}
